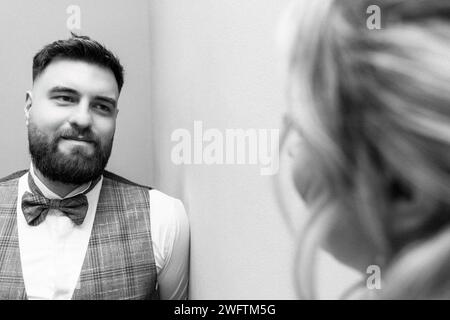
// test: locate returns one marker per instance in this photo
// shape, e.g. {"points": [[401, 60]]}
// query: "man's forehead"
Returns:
{"points": [[78, 75]]}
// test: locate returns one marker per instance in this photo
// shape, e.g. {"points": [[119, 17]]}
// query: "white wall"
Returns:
{"points": [[216, 61]]}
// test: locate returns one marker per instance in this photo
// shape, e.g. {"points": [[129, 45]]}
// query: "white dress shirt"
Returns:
{"points": [[52, 253]]}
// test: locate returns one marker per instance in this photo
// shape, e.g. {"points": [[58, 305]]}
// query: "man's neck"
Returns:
{"points": [[60, 188]]}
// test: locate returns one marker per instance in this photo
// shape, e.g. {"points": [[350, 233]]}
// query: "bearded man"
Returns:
{"points": [[69, 229]]}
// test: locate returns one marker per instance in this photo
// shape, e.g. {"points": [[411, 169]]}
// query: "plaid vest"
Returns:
{"points": [[119, 261]]}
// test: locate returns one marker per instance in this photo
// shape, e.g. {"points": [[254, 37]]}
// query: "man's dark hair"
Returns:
{"points": [[80, 48]]}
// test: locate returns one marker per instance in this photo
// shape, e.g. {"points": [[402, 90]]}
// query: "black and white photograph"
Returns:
{"points": [[233, 152]]}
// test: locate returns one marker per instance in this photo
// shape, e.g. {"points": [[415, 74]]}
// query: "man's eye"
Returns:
{"points": [[102, 107], [65, 99]]}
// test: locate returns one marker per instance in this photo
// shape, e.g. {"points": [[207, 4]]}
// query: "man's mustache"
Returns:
{"points": [[80, 135]]}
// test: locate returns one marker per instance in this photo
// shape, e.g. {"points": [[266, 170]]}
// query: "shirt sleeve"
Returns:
{"points": [[170, 236]]}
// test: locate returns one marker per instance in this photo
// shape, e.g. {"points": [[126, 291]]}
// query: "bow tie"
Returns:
{"points": [[35, 206]]}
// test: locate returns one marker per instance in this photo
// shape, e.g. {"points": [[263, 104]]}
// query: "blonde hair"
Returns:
{"points": [[373, 110]]}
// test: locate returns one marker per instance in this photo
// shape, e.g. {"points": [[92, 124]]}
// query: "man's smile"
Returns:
{"points": [[78, 139], [67, 144]]}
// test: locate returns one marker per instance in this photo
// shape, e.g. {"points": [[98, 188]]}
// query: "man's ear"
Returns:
{"points": [[28, 104]]}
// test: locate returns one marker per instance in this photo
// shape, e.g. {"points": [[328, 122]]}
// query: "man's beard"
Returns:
{"points": [[74, 168]]}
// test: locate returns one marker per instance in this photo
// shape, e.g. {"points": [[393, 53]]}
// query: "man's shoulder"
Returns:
{"points": [[13, 176], [123, 181], [163, 198], [168, 212]]}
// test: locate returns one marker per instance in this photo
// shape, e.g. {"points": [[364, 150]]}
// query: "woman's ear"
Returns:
{"points": [[28, 104]]}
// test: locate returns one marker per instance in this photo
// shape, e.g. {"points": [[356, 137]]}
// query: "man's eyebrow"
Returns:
{"points": [[63, 90]]}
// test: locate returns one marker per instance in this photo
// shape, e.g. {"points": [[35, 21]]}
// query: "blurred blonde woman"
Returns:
{"points": [[372, 108]]}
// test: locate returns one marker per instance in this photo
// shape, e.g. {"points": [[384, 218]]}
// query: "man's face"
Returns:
{"points": [[71, 118]]}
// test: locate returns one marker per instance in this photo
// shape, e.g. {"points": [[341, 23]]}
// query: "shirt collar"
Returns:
{"points": [[50, 194]]}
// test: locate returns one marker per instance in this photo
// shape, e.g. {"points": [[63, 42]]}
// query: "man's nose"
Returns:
{"points": [[81, 116]]}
